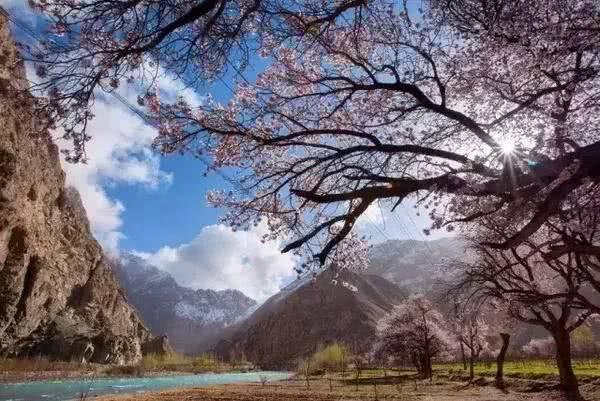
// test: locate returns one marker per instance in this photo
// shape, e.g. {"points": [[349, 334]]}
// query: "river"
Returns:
{"points": [[63, 390]]}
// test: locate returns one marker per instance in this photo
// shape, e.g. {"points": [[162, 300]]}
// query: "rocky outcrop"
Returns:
{"points": [[343, 307], [58, 295], [192, 319], [157, 345]]}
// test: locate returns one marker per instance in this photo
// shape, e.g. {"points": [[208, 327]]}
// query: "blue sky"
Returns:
{"points": [[155, 206]]}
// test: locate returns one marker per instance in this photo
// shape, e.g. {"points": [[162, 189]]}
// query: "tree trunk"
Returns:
{"points": [[500, 360], [568, 380], [471, 366], [430, 365], [464, 357], [426, 370]]}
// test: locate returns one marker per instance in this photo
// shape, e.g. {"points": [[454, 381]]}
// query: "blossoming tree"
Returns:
{"points": [[550, 293], [414, 331], [471, 330], [489, 104], [470, 107]]}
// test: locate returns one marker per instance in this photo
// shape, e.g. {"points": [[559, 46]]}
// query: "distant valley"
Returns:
{"points": [[342, 306], [192, 319]]}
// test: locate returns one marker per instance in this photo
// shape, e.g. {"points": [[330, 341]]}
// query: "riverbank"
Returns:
{"points": [[61, 390], [44, 369], [324, 390], [90, 374]]}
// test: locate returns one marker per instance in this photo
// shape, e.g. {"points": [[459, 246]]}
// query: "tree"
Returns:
{"points": [[332, 358], [535, 290], [471, 332], [413, 331], [583, 343], [335, 159], [540, 348], [505, 337], [95, 47], [487, 105]]}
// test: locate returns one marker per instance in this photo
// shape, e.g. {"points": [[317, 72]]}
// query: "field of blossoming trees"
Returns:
{"points": [[484, 113]]}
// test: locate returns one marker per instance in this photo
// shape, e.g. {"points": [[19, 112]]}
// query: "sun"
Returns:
{"points": [[507, 147]]}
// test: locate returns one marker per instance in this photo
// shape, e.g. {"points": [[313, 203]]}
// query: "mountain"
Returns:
{"points": [[411, 264], [191, 319], [58, 295], [342, 306]]}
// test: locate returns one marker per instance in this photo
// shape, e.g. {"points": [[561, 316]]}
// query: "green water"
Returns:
{"points": [[62, 390]]}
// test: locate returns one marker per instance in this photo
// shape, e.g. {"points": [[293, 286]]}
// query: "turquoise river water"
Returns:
{"points": [[63, 390]]}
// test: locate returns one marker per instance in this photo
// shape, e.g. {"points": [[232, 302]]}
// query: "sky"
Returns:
{"points": [[154, 206]]}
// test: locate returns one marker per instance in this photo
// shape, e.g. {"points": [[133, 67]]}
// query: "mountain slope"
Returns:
{"points": [[411, 263], [192, 319], [296, 321], [58, 295]]}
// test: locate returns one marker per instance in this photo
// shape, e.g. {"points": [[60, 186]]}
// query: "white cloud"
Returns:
{"points": [[219, 258], [119, 153]]}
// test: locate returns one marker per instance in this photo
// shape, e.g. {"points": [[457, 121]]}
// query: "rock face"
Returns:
{"points": [[310, 313], [58, 295], [192, 319]]}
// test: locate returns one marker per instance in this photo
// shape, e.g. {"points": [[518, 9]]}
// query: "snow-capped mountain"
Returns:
{"points": [[192, 319], [413, 264]]}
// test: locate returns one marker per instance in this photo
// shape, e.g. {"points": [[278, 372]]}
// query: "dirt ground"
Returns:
{"points": [[322, 390]]}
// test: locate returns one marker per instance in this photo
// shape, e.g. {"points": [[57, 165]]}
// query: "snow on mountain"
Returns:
{"points": [[192, 319], [193, 312], [411, 263]]}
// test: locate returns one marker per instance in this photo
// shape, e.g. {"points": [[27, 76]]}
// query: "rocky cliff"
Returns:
{"points": [[342, 307], [192, 319], [58, 295]]}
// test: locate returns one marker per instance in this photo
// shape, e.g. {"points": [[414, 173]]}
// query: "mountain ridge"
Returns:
{"points": [[192, 319], [336, 306]]}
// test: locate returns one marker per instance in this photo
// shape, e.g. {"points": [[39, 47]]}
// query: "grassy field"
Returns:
{"points": [[588, 368]]}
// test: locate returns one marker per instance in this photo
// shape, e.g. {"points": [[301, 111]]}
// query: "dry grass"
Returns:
{"points": [[175, 362], [15, 370], [125, 370], [296, 390], [39, 365]]}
